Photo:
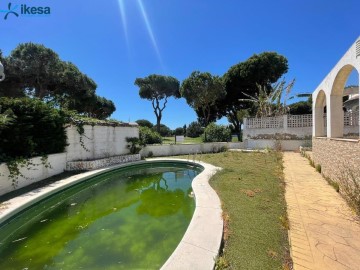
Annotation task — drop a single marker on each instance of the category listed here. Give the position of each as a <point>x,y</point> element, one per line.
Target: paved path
<point>324,232</point>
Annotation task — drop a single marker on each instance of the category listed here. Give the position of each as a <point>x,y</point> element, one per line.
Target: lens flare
<point>123,19</point>
<point>148,26</point>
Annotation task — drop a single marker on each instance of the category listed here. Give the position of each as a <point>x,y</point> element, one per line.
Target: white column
<point>335,117</point>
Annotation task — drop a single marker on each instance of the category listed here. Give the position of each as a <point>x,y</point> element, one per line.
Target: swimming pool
<point>132,217</point>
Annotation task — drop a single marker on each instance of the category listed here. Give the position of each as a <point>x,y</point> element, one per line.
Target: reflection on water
<point>128,219</point>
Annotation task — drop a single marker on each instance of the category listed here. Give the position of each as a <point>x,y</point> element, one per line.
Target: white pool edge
<point>200,244</point>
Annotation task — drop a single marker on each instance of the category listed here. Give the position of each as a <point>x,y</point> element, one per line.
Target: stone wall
<point>336,156</point>
<point>101,163</point>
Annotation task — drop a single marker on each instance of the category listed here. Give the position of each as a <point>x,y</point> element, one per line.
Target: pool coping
<point>201,242</point>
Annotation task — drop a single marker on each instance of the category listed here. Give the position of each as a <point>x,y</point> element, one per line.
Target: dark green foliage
<point>134,144</point>
<point>156,88</point>
<point>148,136</point>
<point>35,129</point>
<point>301,107</point>
<point>36,71</point>
<point>165,131</point>
<point>201,91</point>
<point>144,123</point>
<point>179,131</point>
<point>217,133</point>
<point>194,130</point>
<point>31,68</point>
<point>262,69</point>
<point>100,108</point>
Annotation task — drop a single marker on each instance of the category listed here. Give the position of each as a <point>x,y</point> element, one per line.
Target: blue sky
<point>176,37</point>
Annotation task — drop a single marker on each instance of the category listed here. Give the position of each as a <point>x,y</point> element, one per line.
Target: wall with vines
<point>95,142</point>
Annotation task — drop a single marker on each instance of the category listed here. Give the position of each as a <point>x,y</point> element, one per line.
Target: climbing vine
<point>80,129</point>
<point>15,165</point>
<point>80,121</point>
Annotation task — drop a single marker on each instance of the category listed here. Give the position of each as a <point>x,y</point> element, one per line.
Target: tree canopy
<point>144,123</point>
<point>33,128</point>
<point>202,91</point>
<point>243,79</point>
<point>156,88</point>
<point>37,71</point>
<point>301,107</point>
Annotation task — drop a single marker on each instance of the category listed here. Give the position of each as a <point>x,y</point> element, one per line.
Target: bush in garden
<point>194,130</point>
<point>216,133</point>
<point>179,131</point>
<point>148,136</point>
<point>33,128</point>
<point>165,131</point>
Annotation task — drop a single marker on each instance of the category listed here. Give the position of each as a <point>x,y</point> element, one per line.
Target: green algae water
<point>131,218</point>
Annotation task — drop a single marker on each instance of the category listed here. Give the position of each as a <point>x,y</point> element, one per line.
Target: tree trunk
<point>236,123</point>
<point>158,119</point>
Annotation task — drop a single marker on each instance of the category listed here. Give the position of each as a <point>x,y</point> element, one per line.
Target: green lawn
<point>251,189</point>
<point>188,140</point>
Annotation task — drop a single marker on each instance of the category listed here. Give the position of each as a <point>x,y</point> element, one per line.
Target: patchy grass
<point>188,140</point>
<point>251,189</point>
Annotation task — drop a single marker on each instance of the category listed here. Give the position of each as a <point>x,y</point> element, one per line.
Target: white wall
<point>33,173</point>
<point>286,145</point>
<point>98,142</point>
<point>269,133</point>
<point>185,149</point>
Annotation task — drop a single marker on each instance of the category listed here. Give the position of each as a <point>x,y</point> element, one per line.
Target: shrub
<point>34,129</point>
<point>332,183</point>
<point>134,144</point>
<point>194,130</point>
<point>165,131</point>
<point>150,154</point>
<point>350,186</point>
<point>217,133</point>
<point>179,131</point>
<point>148,136</point>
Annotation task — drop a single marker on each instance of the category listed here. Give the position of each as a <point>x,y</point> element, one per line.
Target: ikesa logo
<point>25,10</point>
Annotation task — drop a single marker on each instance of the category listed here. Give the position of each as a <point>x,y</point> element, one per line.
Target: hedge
<point>30,128</point>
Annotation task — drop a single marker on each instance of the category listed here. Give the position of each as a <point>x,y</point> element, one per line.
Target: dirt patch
<point>250,193</point>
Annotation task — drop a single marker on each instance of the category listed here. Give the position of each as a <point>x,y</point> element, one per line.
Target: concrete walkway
<point>324,232</point>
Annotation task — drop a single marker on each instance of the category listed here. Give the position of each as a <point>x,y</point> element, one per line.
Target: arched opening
<point>343,112</point>
<point>351,106</point>
<point>319,116</point>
